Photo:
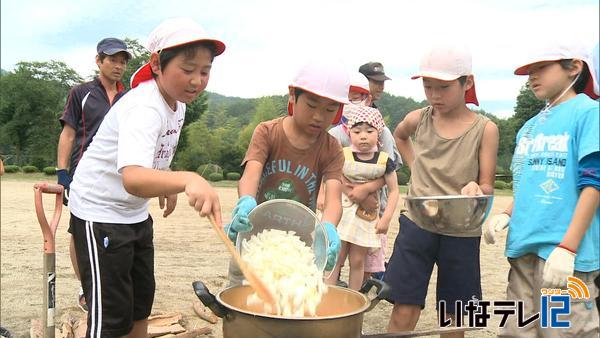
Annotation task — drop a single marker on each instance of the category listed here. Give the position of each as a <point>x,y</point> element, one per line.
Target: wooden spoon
<point>255,283</point>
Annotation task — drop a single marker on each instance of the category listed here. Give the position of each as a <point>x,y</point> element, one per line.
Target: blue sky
<point>268,40</point>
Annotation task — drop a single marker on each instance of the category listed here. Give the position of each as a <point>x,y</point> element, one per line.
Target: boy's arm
<point>391,181</point>
<point>146,183</point>
<point>404,130</point>
<point>488,151</point>
<point>321,197</point>
<point>359,192</point>
<point>249,181</point>
<point>561,261</point>
<point>587,204</point>
<point>332,211</point>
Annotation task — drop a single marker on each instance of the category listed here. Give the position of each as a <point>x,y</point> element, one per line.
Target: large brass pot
<point>340,313</point>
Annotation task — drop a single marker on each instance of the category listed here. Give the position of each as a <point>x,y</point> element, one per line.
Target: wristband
<point>568,249</point>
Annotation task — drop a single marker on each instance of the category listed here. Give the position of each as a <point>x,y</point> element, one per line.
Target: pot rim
<point>360,310</point>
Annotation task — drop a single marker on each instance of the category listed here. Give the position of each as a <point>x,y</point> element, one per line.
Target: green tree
<point>266,109</point>
<point>55,71</point>
<point>527,106</point>
<point>394,108</point>
<point>31,100</point>
<point>139,56</point>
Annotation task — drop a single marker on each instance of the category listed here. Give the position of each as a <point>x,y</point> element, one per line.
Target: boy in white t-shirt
<point>126,164</point>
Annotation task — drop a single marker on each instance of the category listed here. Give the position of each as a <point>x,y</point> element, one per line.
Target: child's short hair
<point>173,34</point>
<point>324,78</point>
<point>584,77</point>
<point>189,51</point>
<point>564,52</point>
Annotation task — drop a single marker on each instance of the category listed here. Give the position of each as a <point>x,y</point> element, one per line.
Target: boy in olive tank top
<point>454,152</point>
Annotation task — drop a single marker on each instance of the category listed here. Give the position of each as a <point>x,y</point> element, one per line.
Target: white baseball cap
<point>359,83</point>
<point>325,78</point>
<point>563,50</point>
<point>173,33</point>
<point>448,63</point>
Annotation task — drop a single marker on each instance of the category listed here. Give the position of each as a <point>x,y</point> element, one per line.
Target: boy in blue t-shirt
<point>554,219</point>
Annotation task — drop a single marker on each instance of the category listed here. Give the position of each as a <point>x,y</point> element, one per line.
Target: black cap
<point>112,46</point>
<point>373,71</point>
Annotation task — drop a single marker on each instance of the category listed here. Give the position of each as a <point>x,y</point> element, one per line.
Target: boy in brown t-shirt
<point>288,157</point>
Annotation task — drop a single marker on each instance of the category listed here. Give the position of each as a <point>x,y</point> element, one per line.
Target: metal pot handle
<point>383,291</point>
<point>209,300</point>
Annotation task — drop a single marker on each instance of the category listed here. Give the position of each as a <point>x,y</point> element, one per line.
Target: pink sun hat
<point>324,78</point>
<point>173,33</point>
<point>448,63</point>
<point>563,50</point>
<point>359,83</point>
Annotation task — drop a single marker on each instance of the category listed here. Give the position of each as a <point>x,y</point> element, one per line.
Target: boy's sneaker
<point>81,302</point>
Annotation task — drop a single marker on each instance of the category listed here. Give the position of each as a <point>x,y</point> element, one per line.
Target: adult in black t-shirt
<point>85,109</point>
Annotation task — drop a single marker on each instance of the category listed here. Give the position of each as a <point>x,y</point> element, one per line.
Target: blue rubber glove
<point>240,222</point>
<point>334,245</point>
<point>65,180</point>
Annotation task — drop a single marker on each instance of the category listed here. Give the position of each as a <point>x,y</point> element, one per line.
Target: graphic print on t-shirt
<point>547,155</point>
<point>167,144</point>
<point>288,179</point>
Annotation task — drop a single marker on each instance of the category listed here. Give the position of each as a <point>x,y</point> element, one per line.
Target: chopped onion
<point>287,266</point>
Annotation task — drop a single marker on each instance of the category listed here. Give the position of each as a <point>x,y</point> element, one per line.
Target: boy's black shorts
<point>116,265</point>
<point>415,253</point>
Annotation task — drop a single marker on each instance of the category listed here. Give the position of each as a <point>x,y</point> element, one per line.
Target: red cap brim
<point>144,73</point>
<point>471,95</point>
<point>359,89</point>
<point>589,90</point>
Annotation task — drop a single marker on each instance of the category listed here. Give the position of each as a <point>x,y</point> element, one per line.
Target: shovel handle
<point>48,229</point>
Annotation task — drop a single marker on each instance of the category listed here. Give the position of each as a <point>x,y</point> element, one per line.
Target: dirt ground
<point>187,249</point>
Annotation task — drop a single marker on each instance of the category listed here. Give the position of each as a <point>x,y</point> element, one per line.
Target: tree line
<point>217,128</point>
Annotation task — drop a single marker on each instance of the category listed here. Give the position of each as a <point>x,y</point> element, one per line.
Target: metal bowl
<point>288,215</point>
<point>450,214</point>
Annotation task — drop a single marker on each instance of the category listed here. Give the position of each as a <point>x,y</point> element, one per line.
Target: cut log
<point>204,313</point>
<point>157,331</point>
<point>164,319</point>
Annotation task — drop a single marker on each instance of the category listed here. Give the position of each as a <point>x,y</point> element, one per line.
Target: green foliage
<point>394,108</point>
<point>28,169</point>
<point>402,178</point>
<point>192,114</point>
<point>266,109</point>
<point>215,177</point>
<point>32,98</point>
<point>49,170</point>
<point>403,175</point>
<point>206,170</point>
<point>527,106</point>
<point>11,168</point>
<point>139,56</point>
<point>500,185</point>
<point>233,176</point>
